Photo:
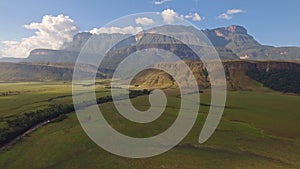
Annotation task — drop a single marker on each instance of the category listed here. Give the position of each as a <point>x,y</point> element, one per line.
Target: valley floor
<point>258,130</point>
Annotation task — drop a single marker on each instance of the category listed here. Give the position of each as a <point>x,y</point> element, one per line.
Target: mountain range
<point>232,42</point>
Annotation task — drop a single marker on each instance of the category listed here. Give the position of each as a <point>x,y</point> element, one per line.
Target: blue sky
<point>275,22</point>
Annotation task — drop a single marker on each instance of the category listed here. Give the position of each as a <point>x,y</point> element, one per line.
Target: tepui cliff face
<point>232,42</point>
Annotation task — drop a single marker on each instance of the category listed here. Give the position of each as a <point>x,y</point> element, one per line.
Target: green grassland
<point>28,96</point>
<point>258,130</point>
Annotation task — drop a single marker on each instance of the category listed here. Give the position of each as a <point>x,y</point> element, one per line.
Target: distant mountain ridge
<point>232,42</point>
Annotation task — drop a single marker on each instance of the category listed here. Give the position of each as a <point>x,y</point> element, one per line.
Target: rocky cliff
<point>240,75</point>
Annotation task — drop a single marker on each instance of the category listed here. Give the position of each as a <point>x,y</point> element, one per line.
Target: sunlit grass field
<point>258,130</point>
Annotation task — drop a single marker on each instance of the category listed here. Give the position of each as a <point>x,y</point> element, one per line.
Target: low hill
<point>13,72</point>
<point>10,59</point>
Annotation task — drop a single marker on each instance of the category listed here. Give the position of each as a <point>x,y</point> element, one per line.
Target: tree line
<point>286,81</point>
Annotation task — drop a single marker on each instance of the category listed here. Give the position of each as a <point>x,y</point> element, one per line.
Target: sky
<point>30,24</point>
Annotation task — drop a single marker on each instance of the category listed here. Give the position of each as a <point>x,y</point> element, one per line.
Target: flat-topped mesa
<point>233,29</point>
<point>236,29</point>
<point>225,31</point>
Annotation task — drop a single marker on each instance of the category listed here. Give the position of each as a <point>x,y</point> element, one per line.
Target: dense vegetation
<point>17,126</point>
<point>26,121</point>
<point>280,80</point>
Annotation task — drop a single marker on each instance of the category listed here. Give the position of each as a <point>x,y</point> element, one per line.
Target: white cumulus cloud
<point>110,30</point>
<point>229,13</point>
<point>195,17</point>
<point>168,15</point>
<point>51,33</point>
<point>144,21</point>
<point>159,2</point>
